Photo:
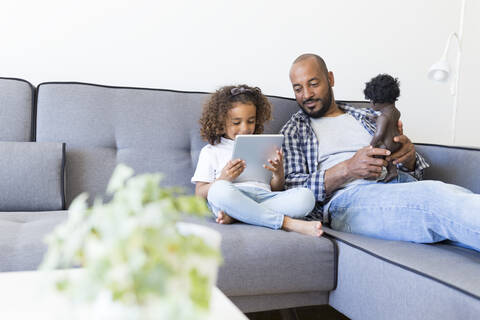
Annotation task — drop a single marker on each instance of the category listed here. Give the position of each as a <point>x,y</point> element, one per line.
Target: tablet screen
<point>256,149</point>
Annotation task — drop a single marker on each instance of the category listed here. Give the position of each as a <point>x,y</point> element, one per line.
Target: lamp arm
<point>452,35</point>
<point>439,71</point>
<point>454,88</point>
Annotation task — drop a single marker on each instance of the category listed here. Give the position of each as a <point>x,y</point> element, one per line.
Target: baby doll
<point>383,91</point>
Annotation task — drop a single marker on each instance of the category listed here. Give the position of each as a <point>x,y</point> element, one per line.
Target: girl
<point>233,110</point>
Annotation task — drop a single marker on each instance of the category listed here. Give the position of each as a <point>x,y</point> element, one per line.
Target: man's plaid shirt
<point>300,150</point>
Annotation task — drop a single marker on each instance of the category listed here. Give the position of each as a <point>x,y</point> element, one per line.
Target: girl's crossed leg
<point>275,210</point>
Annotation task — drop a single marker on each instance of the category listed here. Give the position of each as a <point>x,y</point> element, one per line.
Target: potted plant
<point>137,259</point>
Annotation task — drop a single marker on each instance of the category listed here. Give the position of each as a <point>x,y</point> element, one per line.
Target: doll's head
<point>234,110</point>
<point>382,89</point>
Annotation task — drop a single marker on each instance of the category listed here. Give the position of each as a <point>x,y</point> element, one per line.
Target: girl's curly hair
<point>215,110</point>
<point>382,89</point>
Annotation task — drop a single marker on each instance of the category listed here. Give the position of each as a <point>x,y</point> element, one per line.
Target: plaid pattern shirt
<point>300,150</point>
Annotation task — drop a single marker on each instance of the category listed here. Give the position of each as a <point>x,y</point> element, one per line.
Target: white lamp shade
<point>440,70</point>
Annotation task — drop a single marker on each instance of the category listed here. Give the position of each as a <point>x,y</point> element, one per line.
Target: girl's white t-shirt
<point>213,159</point>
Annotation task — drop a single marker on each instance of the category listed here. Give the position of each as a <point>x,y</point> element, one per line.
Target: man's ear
<point>331,78</point>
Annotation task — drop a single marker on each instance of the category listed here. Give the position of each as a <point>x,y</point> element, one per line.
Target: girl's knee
<point>219,190</point>
<point>305,201</point>
<point>307,197</point>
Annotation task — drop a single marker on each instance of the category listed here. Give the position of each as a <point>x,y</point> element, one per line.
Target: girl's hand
<point>232,170</point>
<point>276,166</point>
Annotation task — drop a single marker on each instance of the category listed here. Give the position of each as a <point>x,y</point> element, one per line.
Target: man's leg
<point>424,211</point>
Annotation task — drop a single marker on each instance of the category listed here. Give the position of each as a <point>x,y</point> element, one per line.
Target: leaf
<point>193,205</point>
<point>199,291</point>
<point>131,247</point>
<point>119,176</point>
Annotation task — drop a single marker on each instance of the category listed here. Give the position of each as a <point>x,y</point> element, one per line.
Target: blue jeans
<point>409,210</point>
<point>258,206</point>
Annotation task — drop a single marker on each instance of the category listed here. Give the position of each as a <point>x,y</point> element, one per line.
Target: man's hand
<point>406,154</point>
<point>363,164</point>
<point>232,170</point>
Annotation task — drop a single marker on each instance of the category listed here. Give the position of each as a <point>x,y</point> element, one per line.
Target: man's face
<point>312,87</point>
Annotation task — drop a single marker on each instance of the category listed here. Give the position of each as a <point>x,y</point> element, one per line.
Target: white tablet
<point>256,149</point>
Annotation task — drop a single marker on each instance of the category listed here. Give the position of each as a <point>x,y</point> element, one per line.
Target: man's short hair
<point>320,61</point>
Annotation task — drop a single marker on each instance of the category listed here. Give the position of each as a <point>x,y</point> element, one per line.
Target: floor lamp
<point>440,70</point>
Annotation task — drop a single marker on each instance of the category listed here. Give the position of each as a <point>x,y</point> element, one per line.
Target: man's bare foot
<point>309,228</point>
<point>224,218</point>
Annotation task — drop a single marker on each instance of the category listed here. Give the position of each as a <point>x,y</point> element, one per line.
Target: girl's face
<point>240,120</point>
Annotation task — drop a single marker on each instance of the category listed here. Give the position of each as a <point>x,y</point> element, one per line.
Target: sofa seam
<point>33,105</point>
<point>166,90</point>
<point>16,79</point>
<point>447,146</point>
<point>117,87</point>
<point>335,260</point>
<point>279,293</point>
<point>34,114</point>
<point>62,179</point>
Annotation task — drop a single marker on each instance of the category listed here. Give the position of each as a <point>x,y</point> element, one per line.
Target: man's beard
<point>326,102</point>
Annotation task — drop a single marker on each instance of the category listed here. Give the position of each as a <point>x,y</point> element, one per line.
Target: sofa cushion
<point>21,238</point>
<point>261,261</point>
<point>32,176</point>
<point>452,266</point>
<point>371,287</point>
<point>16,110</point>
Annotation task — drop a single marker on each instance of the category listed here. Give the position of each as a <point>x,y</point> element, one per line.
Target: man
<point>327,149</point>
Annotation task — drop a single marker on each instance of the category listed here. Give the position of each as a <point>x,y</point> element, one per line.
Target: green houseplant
<point>136,255</point>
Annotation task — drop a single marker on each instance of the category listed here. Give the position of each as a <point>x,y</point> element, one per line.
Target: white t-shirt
<point>339,138</point>
<point>213,159</point>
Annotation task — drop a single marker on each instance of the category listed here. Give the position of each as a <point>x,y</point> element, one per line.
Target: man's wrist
<point>336,176</point>
<point>411,165</point>
<point>406,168</point>
<point>344,171</point>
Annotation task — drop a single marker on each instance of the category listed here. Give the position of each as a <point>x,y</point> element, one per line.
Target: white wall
<point>468,115</point>
<point>201,45</point>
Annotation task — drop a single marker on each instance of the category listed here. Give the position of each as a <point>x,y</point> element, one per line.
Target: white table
<point>25,295</point>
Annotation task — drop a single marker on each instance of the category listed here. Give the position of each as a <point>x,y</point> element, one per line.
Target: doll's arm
<point>381,130</point>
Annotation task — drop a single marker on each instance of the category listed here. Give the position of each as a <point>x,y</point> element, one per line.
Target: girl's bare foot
<point>309,228</point>
<point>224,218</point>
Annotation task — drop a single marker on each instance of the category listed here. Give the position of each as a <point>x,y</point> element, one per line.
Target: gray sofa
<point>81,131</point>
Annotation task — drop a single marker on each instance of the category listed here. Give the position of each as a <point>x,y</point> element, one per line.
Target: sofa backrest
<point>456,165</point>
<point>150,130</point>
<point>16,110</point>
<point>154,130</point>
